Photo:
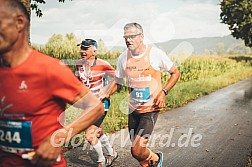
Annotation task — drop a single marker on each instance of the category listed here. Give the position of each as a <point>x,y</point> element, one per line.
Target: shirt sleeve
<point>109,69</point>
<point>121,65</point>
<point>62,82</point>
<point>160,61</point>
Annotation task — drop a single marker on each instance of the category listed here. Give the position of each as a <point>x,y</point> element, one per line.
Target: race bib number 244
<point>15,135</point>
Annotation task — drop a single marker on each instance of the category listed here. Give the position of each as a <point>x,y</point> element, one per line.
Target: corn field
<point>192,68</point>
<point>200,75</point>
<point>200,67</point>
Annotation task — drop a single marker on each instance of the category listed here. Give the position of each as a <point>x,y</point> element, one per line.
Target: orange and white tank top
<point>95,76</point>
<point>144,82</point>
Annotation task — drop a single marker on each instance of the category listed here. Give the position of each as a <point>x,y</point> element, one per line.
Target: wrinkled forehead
<point>2,3</point>
<point>6,10</point>
<point>84,49</point>
<point>4,14</point>
<point>6,5</point>
<point>131,30</point>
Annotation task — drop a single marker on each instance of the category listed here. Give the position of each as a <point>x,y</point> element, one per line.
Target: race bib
<point>140,94</point>
<point>15,136</point>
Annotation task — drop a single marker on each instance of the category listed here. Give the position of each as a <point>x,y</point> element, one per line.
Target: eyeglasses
<point>131,36</point>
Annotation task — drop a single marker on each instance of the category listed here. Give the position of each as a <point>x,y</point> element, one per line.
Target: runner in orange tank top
<point>141,65</point>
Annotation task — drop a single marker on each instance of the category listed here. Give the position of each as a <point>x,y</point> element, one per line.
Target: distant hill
<point>207,45</point>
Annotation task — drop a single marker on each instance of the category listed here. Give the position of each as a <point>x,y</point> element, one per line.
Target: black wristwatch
<point>165,91</point>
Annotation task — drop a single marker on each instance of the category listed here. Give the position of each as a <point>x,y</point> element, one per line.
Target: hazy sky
<point>162,20</point>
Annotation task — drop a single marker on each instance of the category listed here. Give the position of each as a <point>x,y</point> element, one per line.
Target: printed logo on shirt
<point>4,107</point>
<point>131,68</point>
<point>23,85</point>
<point>143,69</point>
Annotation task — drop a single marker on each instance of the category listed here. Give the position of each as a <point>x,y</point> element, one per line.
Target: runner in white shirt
<point>141,65</point>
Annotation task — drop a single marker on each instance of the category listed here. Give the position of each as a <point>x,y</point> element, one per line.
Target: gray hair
<point>134,25</point>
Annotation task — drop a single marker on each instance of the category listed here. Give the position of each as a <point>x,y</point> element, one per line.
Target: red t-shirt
<point>36,91</point>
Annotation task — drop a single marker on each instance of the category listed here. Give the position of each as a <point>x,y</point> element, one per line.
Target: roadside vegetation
<point>249,161</point>
<point>200,75</point>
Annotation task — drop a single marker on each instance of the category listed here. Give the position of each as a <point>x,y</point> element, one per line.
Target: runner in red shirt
<point>34,90</point>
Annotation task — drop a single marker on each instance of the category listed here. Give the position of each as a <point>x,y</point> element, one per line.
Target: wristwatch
<point>165,91</point>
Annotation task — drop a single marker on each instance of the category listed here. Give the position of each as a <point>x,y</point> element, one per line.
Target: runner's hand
<point>102,94</point>
<point>160,100</point>
<point>46,154</point>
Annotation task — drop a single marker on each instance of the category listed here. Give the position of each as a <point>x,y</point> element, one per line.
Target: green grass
<point>200,75</point>
<point>185,91</point>
<point>249,161</point>
<point>182,93</point>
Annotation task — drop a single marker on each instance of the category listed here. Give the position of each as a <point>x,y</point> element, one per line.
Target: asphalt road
<point>212,131</point>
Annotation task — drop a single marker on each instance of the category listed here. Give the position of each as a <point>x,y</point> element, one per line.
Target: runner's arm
<point>108,90</point>
<point>160,99</point>
<point>50,148</point>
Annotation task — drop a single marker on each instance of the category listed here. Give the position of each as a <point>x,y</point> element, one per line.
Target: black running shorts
<point>142,124</point>
<point>106,103</point>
